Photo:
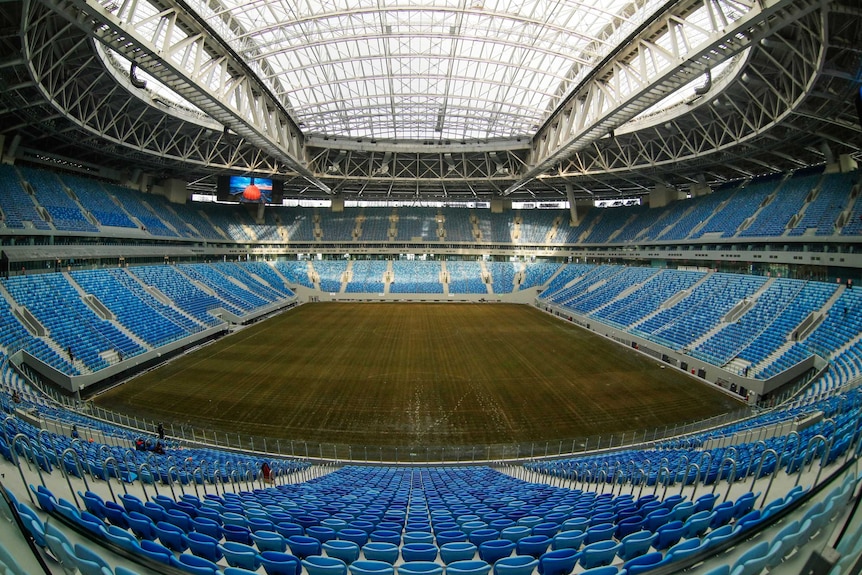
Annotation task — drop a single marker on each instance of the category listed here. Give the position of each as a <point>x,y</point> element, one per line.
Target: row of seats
<point>740,215</point>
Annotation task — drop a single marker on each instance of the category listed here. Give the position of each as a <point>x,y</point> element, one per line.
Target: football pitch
<point>416,375</point>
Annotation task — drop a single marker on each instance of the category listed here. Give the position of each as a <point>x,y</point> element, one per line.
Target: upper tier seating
<point>700,210</point>
<point>192,217</point>
<point>741,206</point>
<point>772,220</point>
<point>416,277</point>
<point>97,201</point>
<point>340,227</point>
<point>536,224</point>
<point>375,228</point>
<point>64,211</point>
<point>494,228</point>
<point>16,203</point>
<point>457,225</point>
<point>822,213</point>
<point>416,223</point>
<point>133,203</point>
<point>768,207</point>
<point>233,221</point>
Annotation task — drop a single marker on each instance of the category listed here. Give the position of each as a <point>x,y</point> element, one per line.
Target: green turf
<point>416,375</point>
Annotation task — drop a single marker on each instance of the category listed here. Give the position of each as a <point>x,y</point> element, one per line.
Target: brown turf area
<point>414,375</point>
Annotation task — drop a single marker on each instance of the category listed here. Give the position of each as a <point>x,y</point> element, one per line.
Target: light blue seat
<point>452,536</point>
<point>239,555</point>
<point>669,534</point>
<point>697,524</point>
<point>600,532</point>
<point>683,510</point>
<point>636,544</point>
<point>268,541</point>
<point>171,536</point>
<point>752,561</point>
<point>534,545</point>
<point>479,536</point>
<point>599,553</point>
<point>571,539</point>
<point>783,543</point>
<point>347,551</point>
<point>684,549</point>
<point>722,514</point>
<point>321,532</point>
<point>156,551</point>
<point>516,565</point>
<point>657,518</point>
<point>386,536</point>
<point>122,538</point>
<point>277,563</point>
<point>470,567</point>
<point>496,549</point>
<point>744,504</point>
<point>419,568</point>
<point>358,536</point>
<point>627,526</point>
<point>60,547</point>
<point>302,546</point>
<point>643,563</point>
<point>381,551</point>
<point>319,565</point>
<point>418,537</point>
<point>575,523</point>
<point>236,533</point>
<point>558,562</point>
<point>418,552</point>
<point>605,570</point>
<point>367,567</point>
<point>202,545</point>
<point>457,551</point>
<point>89,562</point>
<point>515,533</point>
<point>194,564</point>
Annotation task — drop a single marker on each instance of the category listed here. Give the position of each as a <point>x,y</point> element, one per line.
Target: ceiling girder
<point>182,52</point>
<point>665,55</point>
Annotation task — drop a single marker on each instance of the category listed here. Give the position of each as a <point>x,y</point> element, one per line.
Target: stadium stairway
<point>489,286</point>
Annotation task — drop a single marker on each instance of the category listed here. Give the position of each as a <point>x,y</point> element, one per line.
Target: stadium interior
<point>678,179</point>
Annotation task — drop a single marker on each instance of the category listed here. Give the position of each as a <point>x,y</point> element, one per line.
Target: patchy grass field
<point>415,375</point>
